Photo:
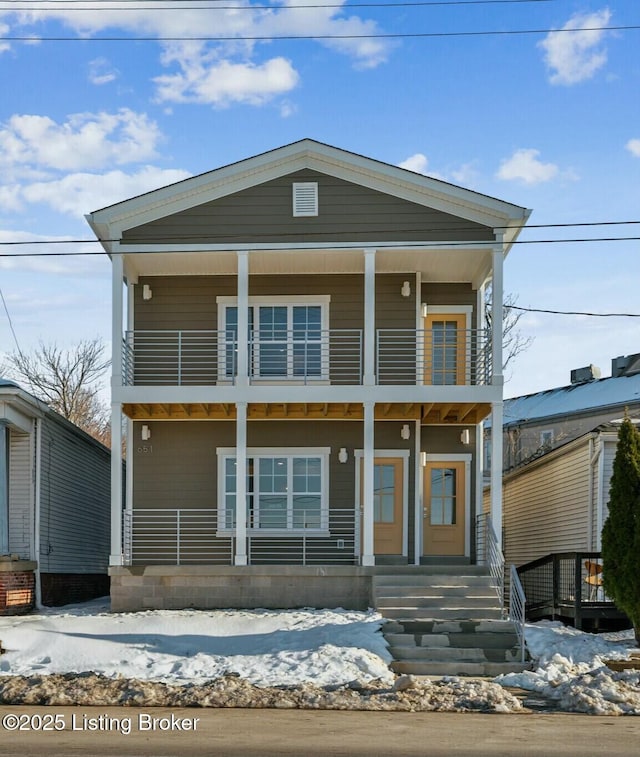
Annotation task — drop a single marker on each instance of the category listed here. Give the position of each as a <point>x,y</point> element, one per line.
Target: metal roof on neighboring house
<point>574,398</point>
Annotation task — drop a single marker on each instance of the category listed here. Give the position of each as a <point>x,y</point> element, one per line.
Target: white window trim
<point>399,453</point>
<point>324,453</point>
<point>321,300</point>
<point>457,457</point>
<point>467,311</point>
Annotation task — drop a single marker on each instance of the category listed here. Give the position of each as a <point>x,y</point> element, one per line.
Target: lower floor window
<point>284,491</point>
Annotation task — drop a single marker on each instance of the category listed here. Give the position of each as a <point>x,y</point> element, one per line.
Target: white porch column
<point>241,483</point>
<point>4,489</point>
<point>369,378</point>
<point>496,468</point>
<point>242,372</point>
<point>497,294</point>
<point>116,557</point>
<point>368,557</point>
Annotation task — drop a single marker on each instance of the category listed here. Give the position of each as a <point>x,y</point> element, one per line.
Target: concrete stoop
<point>446,624</point>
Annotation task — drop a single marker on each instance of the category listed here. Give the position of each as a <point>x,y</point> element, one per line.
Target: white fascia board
<point>472,246</point>
<point>367,172</point>
<point>288,393</point>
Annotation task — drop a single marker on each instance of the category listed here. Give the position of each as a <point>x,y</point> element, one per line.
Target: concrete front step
<point>442,602</point>
<point>422,590</point>
<point>441,626</point>
<point>439,668</point>
<point>455,640</point>
<point>440,654</point>
<point>438,579</point>
<point>430,614</point>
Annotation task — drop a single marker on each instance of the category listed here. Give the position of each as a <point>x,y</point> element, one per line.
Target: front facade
<point>54,506</point>
<point>301,358</point>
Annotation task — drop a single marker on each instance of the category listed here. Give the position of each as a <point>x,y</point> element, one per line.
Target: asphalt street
<point>123,731</point>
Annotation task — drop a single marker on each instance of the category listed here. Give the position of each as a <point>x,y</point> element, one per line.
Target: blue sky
<point>548,121</point>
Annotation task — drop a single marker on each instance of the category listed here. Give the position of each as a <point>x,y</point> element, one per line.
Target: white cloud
<point>223,82</point>
<point>45,262</point>
<point>525,166</point>
<point>4,31</point>
<point>633,145</point>
<point>417,163</point>
<point>575,56</point>
<point>85,140</point>
<point>102,72</point>
<point>80,193</point>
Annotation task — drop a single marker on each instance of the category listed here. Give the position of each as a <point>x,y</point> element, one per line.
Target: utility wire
<point>573,312</point>
<point>295,37</point>
<point>116,5</point>
<point>440,229</point>
<point>6,310</point>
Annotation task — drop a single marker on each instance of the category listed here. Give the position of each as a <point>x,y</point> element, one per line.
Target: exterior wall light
<point>146,292</point>
<point>145,433</point>
<point>465,437</point>
<point>343,456</point>
<point>405,431</point>
<point>406,289</point>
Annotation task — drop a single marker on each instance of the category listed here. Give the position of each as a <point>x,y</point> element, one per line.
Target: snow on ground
<point>569,667</point>
<point>265,647</point>
<point>308,648</point>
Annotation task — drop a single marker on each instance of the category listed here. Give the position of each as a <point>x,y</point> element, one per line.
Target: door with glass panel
<point>387,505</point>
<point>445,349</point>
<point>444,509</point>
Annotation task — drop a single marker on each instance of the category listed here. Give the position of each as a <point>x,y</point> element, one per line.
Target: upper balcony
<point>440,356</point>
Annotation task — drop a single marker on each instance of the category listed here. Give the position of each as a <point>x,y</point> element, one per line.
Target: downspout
<point>36,510</point>
<point>593,503</point>
<point>4,488</point>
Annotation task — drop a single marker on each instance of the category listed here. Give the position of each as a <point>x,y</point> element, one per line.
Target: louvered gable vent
<point>305,198</point>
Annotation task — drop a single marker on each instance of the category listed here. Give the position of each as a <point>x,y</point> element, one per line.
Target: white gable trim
<point>112,221</point>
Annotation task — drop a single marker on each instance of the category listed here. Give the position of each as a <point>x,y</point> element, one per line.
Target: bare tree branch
<point>68,380</point>
<point>514,342</point>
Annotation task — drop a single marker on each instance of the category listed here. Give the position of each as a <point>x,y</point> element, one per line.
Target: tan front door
<point>445,349</point>
<point>444,509</point>
<point>387,504</point>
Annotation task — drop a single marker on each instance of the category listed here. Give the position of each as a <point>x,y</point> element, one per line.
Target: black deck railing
<point>567,585</point>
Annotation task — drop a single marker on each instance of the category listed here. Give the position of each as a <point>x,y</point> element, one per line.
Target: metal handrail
<point>517,608</point>
<point>427,356</point>
<point>490,553</point>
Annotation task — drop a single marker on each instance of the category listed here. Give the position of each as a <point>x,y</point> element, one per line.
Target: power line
<point>440,229</point>
<point>137,5</point>
<point>573,312</point>
<point>296,37</point>
<point>6,310</point>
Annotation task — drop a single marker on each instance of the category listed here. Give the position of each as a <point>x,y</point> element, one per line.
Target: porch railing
<point>156,536</point>
<point>333,356</point>
<point>415,356</point>
<point>567,585</point>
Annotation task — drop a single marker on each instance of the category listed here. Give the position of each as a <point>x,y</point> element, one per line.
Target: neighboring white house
<point>54,503</point>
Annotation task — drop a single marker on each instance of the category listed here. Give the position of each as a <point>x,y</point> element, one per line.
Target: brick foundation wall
<point>68,588</point>
<point>207,587</point>
<point>17,592</point>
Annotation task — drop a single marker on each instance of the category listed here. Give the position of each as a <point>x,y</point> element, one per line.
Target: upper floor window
<point>287,339</point>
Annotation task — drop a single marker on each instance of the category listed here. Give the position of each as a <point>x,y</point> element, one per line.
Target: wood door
<point>388,482</point>
<point>443,518</point>
<point>445,349</point>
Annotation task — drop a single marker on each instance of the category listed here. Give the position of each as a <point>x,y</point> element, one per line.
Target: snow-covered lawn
<point>268,648</point>
<point>321,648</point>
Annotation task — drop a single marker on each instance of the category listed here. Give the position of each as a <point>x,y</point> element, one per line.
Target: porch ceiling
<point>438,265</point>
<point>430,414</point>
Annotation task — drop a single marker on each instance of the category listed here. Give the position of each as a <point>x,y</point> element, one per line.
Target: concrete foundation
<point>215,587</point>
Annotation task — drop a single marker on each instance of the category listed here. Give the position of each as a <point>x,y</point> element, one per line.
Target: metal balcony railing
<point>333,356</point>
<point>433,357</point>
<point>158,536</point>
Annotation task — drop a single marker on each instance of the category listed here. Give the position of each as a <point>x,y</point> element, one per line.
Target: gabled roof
<point>575,398</point>
<point>109,223</point>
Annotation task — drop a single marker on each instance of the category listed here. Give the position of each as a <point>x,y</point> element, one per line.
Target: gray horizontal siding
<point>74,502</point>
<point>20,494</point>
<point>347,211</point>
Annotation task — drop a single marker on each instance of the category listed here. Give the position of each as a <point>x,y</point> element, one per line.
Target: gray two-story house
<point>301,357</point>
